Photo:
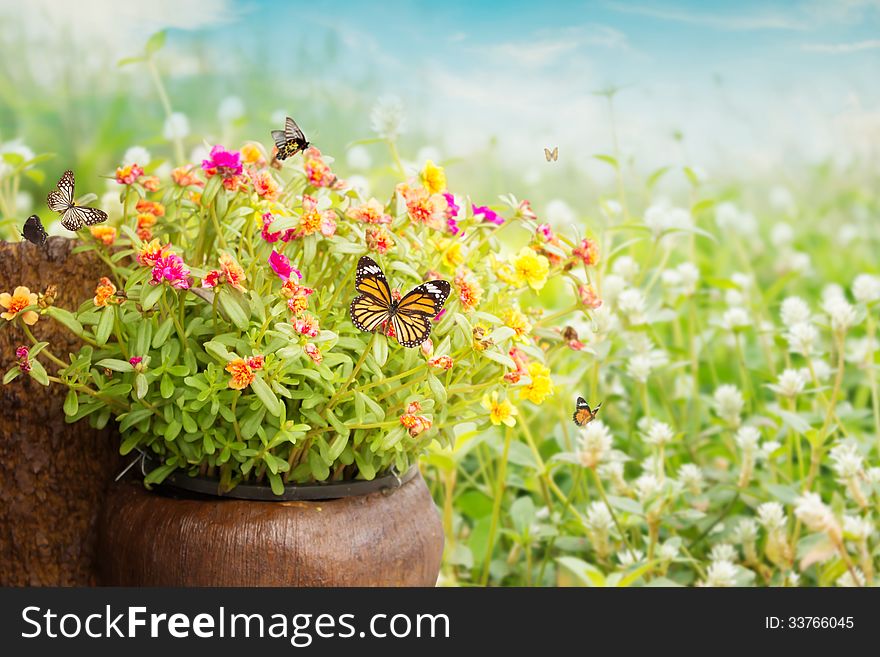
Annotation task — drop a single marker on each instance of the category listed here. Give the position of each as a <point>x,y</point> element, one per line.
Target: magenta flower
<point>134,361</point>
<point>226,164</point>
<point>280,264</point>
<point>451,208</point>
<point>171,270</point>
<point>452,226</point>
<point>267,221</point>
<point>439,315</point>
<point>23,355</point>
<point>544,232</point>
<point>488,214</point>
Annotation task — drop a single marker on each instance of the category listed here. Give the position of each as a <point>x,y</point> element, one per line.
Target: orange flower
<point>310,222</point>
<point>589,297</point>
<point>104,292</point>
<point>441,362</point>
<point>469,291</point>
<point>104,234</point>
<point>145,223</point>
<point>379,239</point>
<point>424,207</point>
<point>184,177</point>
<point>150,207</point>
<point>317,171</point>
<point>588,251</point>
<point>150,252</point>
<point>14,303</point>
<point>242,375</point>
<point>128,175</point>
<point>230,272</point>
<point>372,212</point>
<point>151,183</point>
<point>251,154</point>
<point>265,185</point>
<point>314,353</point>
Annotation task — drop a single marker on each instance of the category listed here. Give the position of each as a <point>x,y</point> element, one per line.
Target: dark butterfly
<point>582,413</point>
<point>289,141</point>
<point>410,317</point>
<point>34,232</point>
<point>73,216</point>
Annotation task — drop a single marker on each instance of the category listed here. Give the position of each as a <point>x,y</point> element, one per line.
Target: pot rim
<point>385,484</point>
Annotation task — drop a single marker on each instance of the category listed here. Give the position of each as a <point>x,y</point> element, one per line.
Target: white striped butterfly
<point>34,232</point>
<point>583,415</point>
<point>73,216</point>
<point>410,317</point>
<point>551,155</point>
<point>289,141</point>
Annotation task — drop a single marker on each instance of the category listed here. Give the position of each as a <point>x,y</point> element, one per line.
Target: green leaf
<point>607,159</point>
<point>320,471</point>
<point>166,387</point>
<point>144,337</point>
<point>125,61</point>
<point>234,307</point>
<point>115,364</point>
<point>105,325</point>
<point>626,504</point>
<point>71,403</point>
<point>218,350</point>
<point>140,386</point>
<point>11,374</point>
<point>38,373</point>
<point>155,42</point>
<point>158,475</point>
<point>276,483</point>
<point>500,358</point>
<point>438,391</point>
<point>66,318</point>
<point>162,334</point>
<point>150,295</point>
<point>337,446</point>
<point>380,349</point>
<point>134,417</point>
<point>586,573</point>
<point>264,392</point>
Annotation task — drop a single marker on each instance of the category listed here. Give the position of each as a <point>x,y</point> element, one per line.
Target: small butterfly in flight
<point>551,155</point>
<point>73,216</point>
<point>34,232</point>
<point>289,141</point>
<point>410,317</point>
<point>583,415</point>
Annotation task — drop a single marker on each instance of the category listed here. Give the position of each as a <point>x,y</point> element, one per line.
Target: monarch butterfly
<point>289,141</point>
<point>73,216</point>
<point>582,413</point>
<point>410,316</point>
<point>34,232</point>
<point>551,155</point>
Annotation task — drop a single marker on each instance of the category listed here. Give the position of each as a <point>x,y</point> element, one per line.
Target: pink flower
<point>267,221</point>
<point>328,224</point>
<point>441,362</point>
<point>452,226</point>
<point>280,264</point>
<point>589,297</point>
<point>134,361</point>
<point>451,208</point>
<point>317,171</point>
<point>525,211</point>
<point>439,315</point>
<point>427,348</point>
<point>372,212</point>
<point>314,353</point>
<point>128,175</point>
<point>226,164</point>
<point>306,325</point>
<point>171,269</point>
<point>544,233</point>
<point>487,214</point>
<point>256,362</point>
<point>588,251</point>
<point>23,355</point>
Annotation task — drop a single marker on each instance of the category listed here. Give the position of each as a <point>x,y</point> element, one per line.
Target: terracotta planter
<point>53,475</point>
<point>152,538</point>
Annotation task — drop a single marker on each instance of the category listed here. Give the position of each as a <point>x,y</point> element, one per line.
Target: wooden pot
<point>150,538</point>
<point>53,475</point>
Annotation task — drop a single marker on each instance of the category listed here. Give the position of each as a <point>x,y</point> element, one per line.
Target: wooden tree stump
<point>158,539</point>
<point>53,475</point>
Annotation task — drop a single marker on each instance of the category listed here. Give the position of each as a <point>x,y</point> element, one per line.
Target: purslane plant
<point>220,338</point>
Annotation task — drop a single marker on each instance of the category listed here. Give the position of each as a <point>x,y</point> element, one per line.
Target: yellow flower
<point>242,376</point>
<point>14,303</point>
<point>104,234</point>
<point>541,386</point>
<point>250,154</point>
<point>500,412</point>
<point>433,178</point>
<point>514,318</point>
<point>531,268</point>
<point>504,270</point>
<point>452,253</point>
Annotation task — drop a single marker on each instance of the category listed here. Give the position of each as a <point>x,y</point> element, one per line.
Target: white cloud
<point>842,48</point>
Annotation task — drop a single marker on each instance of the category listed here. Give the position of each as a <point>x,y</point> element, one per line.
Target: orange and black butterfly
<point>410,317</point>
<point>583,415</point>
<point>289,141</point>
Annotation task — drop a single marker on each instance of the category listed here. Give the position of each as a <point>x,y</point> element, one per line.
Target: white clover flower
<point>613,472</point>
<point>612,286</point>
<point>720,574</point>
<point>841,312</point>
<point>388,119</point>
<point>790,383</point>
<point>781,235</point>
<point>861,350</point>
<point>860,529</point>
<point>647,485</point>
<point>794,261</point>
<point>24,202</point>
<point>199,153</point>
<point>595,444</point>
<point>794,310</point>
<point>358,158</point>
<point>746,531</point>
<point>847,462</point>
<point>625,267</point>
<point>359,183</point>
<point>671,280</point>
<point>802,338</point>
<point>727,215</point>
<point>743,281</point>
<point>629,557</point>
<point>559,213</point>
<point>847,580</point>
<point>661,217</point>
<point>639,367</point>
<point>659,434</point>
<point>729,403</point>
<point>177,127</point>
<point>817,516</point>
<point>604,321</point>
<point>683,386</point>
<point>846,233</point>
<point>691,477</point>
<point>631,302</point>
<point>598,518</point>
<point>136,155</point>
<point>822,369</point>
<point>832,291</point>
<point>873,475</point>
<point>734,298</point>
<point>781,199</point>
<point>111,204</point>
<point>668,550</point>
<point>230,109</point>
<point>866,288</point>
<point>768,448</point>
<point>747,439</point>
<point>735,319</point>
<point>771,515</point>
<point>792,579</point>
<point>14,147</point>
<point>610,208</point>
<point>690,277</point>
<point>723,552</point>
